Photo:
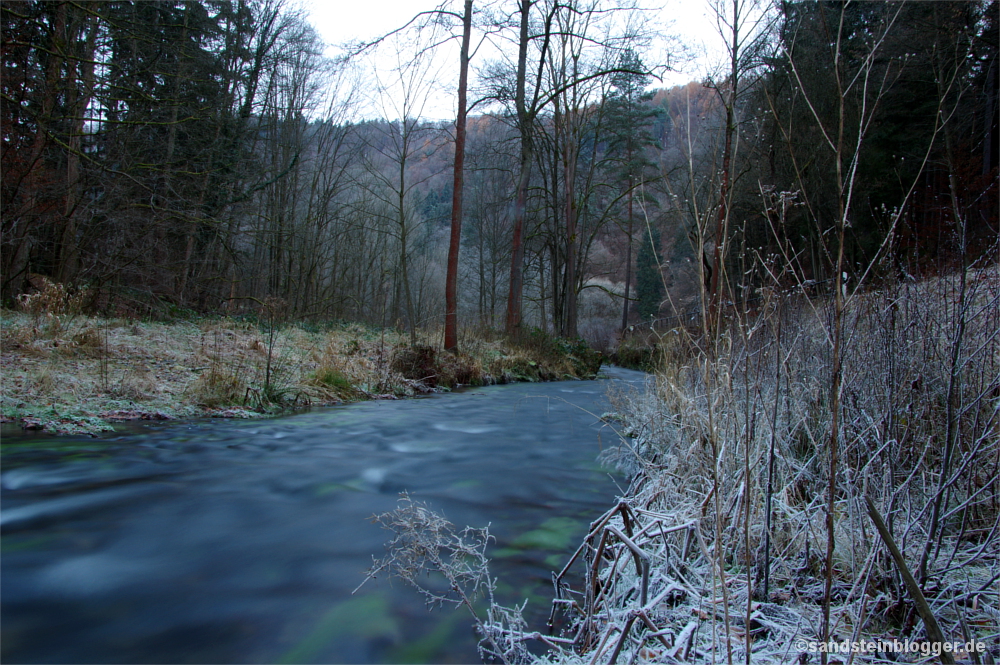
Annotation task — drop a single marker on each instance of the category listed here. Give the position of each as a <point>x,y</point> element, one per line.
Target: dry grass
<point>61,371</point>
<point>729,452</point>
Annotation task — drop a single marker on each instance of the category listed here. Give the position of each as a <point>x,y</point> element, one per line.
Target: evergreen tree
<point>929,60</point>
<point>649,282</point>
<point>628,125</point>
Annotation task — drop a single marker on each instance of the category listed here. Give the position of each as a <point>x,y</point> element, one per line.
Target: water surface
<point>241,542</point>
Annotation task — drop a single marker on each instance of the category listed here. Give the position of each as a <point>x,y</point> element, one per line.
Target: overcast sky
<point>340,21</point>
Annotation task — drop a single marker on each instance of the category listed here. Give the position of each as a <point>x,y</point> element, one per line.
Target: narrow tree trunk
<point>571,278</point>
<point>32,210</point>
<point>403,262</point>
<point>718,256</point>
<point>517,245</point>
<point>78,101</point>
<point>481,249</point>
<point>721,231</point>
<point>516,284</point>
<point>628,260</point>
<point>837,361</point>
<point>451,281</point>
<point>543,322</point>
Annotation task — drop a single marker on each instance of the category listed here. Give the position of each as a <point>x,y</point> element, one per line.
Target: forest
<point>206,157</point>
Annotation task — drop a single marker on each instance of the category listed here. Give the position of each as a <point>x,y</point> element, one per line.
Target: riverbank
<point>76,374</point>
<point>766,462</point>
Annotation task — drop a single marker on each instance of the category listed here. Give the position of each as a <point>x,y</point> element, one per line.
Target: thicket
<point>735,439</point>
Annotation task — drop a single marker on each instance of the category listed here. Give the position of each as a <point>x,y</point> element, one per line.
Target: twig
<point>933,629</point>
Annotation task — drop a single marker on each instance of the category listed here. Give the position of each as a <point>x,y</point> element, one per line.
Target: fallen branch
<point>933,629</point>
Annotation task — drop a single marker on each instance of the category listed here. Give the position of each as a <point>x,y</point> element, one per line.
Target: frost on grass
<point>62,368</point>
<point>730,499</point>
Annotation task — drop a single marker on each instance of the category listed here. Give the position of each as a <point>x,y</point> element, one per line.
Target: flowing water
<point>241,542</point>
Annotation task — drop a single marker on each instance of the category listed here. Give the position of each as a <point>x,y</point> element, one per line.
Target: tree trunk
<point>718,252</point>
<point>78,99</point>
<point>32,209</point>
<point>569,165</point>
<point>628,258</point>
<point>451,281</point>
<point>403,241</point>
<point>523,122</point>
<point>722,227</point>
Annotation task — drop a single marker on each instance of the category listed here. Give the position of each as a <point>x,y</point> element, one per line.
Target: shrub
<point>560,356</point>
<point>51,298</point>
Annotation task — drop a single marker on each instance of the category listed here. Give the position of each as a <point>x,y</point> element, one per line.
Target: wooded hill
<point>176,156</point>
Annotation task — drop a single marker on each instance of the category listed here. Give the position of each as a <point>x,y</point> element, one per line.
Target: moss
<point>333,379</point>
<point>366,617</point>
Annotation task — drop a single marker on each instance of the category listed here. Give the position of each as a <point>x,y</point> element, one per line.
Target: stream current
<point>240,542</point>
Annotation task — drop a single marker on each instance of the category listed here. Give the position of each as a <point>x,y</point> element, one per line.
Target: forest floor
<point>75,374</point>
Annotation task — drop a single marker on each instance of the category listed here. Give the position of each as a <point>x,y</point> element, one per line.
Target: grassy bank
<point>753,467</point>
<point>70,373</point>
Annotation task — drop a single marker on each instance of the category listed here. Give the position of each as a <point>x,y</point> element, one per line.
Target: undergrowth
<point>736,442</point>
<point>68,372</point>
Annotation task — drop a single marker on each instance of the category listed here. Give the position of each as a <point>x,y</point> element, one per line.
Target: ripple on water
<point>465,429</point>
<point>374,476</point>
<point>416,447</point>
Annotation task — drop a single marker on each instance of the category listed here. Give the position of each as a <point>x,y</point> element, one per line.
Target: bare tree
<point>403,94</point>
<point>451,284</point>
<point>745,26</point>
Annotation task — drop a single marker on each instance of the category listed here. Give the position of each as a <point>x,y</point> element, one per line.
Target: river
<point>241,541</point>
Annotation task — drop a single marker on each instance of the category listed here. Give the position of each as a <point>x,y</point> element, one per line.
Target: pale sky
<point>339,21</point>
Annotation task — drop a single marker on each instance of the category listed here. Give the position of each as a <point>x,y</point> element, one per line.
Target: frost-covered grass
<point>729,448</point>
<point>71,373</point>
<point>724,547</point>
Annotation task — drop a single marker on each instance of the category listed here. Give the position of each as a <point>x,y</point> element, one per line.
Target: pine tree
<point>629,120</point>
<point>649,282</point>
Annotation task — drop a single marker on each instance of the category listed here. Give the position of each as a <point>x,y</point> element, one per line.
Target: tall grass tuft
<point>733,437</point>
